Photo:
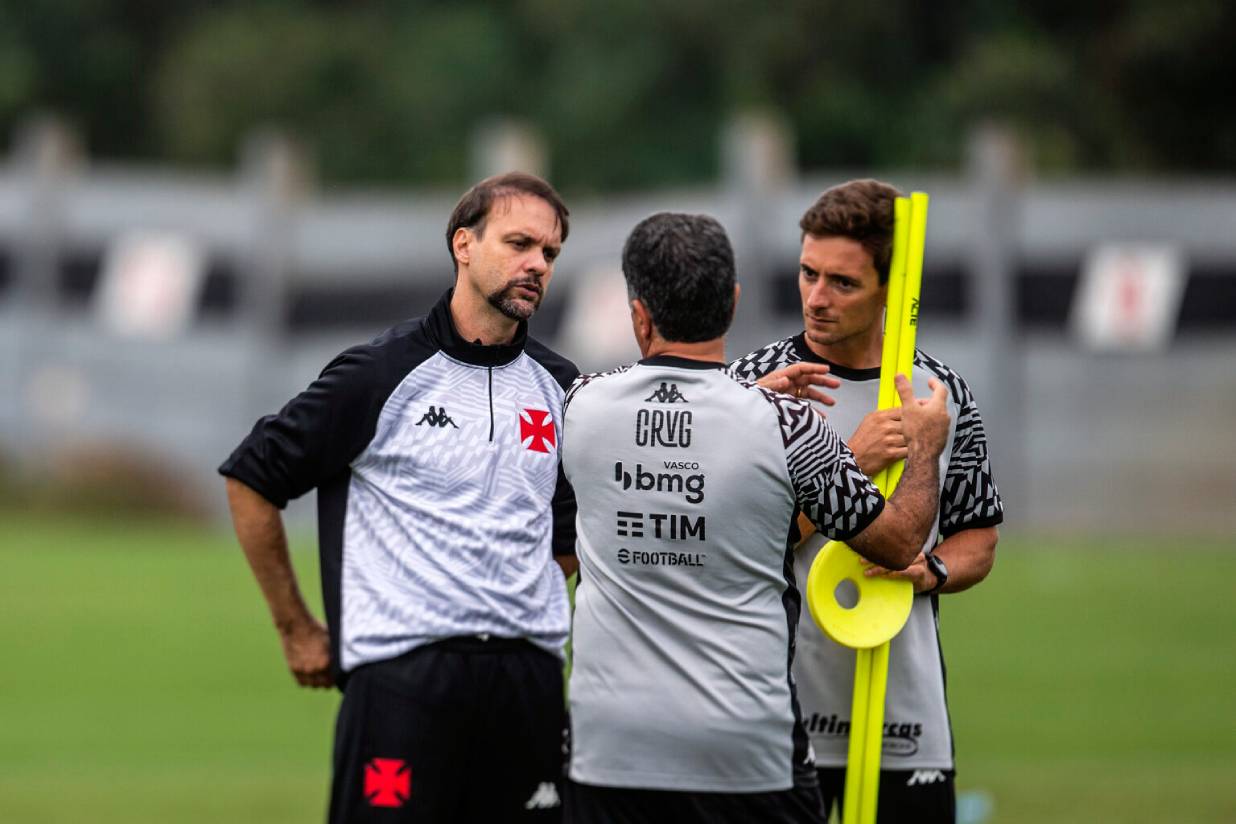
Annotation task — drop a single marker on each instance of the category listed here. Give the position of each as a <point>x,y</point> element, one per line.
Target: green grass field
<point>140,681</point>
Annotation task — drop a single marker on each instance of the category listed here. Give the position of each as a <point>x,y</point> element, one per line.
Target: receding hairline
<point>502,198</point>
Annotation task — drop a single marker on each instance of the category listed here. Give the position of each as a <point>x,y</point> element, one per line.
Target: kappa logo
<point>436,416</point>
<point>545,797</point>
<point>921,777</point>
<point>536,430</point>
<point>666,393</point>
<point>388,782</point>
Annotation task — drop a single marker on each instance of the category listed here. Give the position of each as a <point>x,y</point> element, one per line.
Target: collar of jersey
<point>443,329</point>
<point>681,363</point>
<point>846,373</point>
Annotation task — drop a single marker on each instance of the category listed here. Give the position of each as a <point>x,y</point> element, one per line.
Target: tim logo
<point>665,526</point>
<point>691,487</point>
<point>536,430</point>
<point>388,782</point>
<point>666,395</point>
<point>436,416</point>
<point>662,427</point>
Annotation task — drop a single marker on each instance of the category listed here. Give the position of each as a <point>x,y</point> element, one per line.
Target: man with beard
<point>441,506</point>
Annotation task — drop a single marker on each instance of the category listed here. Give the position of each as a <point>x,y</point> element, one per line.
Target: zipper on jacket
<point>490,370</point>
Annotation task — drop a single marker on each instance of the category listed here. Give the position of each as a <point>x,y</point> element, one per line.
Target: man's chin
<point>514,308</point>
<point>820,336</point>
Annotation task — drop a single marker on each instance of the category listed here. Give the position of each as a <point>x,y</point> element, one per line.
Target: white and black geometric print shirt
<point>688,483</point>
<point>917,732</point>
<point>441,499</point>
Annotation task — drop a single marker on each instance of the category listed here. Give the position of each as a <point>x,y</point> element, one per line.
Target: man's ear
<point>640,316</point>
<point>461,245</point>
<point>737,295</point>
<point>641,323</point>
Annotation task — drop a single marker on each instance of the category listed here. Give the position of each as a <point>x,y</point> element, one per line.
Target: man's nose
<point>536,263</point>
<point>819,297</point>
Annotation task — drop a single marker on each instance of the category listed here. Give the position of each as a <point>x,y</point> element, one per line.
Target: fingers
<point>802,368</point>
<point>913,572</point>
<point>802,381</point>
<point>316,679</point>
<point>775,382</point>
<point>819,396</point>
<point>904,390</point>
<point>824,380</point>
<point>939,394</point>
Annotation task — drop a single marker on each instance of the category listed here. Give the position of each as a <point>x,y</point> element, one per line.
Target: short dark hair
<point>681,267</point>
<point>472,210</point>
<point>861,210</point>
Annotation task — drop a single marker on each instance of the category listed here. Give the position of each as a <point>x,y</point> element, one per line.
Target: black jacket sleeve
<point>564,510</point>
<point>316,435</point>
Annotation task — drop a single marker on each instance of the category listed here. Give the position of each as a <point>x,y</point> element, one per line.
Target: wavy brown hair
<point>861,210</point>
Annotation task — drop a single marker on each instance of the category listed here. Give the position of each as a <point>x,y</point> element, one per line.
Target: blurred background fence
<point>243,285</point>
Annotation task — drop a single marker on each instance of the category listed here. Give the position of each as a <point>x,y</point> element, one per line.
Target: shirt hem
<point>682,783</point>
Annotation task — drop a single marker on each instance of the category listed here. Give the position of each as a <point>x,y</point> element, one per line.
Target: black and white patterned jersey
<point>689,482</point>
<point>917,733</point>
<point>441,499</point>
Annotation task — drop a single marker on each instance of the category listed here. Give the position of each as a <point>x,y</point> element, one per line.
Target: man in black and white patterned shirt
<point>843,276</point>
<point>688,483</point>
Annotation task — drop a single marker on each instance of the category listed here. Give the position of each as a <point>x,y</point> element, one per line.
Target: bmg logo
<point>691,487</point>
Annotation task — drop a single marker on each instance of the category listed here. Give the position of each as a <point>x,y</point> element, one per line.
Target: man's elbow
<point>245,501</point>
<point>904,554</point>
<point>894,552</point>
<point>988,560</point>
<point>908,544</point>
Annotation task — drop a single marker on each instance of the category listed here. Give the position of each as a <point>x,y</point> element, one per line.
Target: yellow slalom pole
<point>869,789</point>
<point>868,780</point>
<point>910,299</point>
<point>857,779</point>
<point>884,603</point>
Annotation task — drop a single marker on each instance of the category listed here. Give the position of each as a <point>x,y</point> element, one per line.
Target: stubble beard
<point>839,335</point>
<point>517,309</point>
<point>826,338</point>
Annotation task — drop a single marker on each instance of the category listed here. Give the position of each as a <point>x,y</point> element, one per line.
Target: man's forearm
<point>969,556</point>
<point>259,528</point>
<point>918,496</point>
<point>898,535</point>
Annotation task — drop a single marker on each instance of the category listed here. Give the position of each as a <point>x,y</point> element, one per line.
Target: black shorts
<point>463,730</point>
<point>588,804</point>
<point>919,796</point>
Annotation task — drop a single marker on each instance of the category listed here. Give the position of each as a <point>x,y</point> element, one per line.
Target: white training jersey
<point>688,483</point>
<point>917,733</point>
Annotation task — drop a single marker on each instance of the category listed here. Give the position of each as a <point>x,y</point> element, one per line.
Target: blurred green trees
<point>628,93</point>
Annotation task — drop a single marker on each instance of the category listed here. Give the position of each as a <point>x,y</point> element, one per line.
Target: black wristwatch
<point>936,565</point>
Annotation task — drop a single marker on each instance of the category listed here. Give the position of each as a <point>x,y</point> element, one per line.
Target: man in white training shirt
<point>689,482</point>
